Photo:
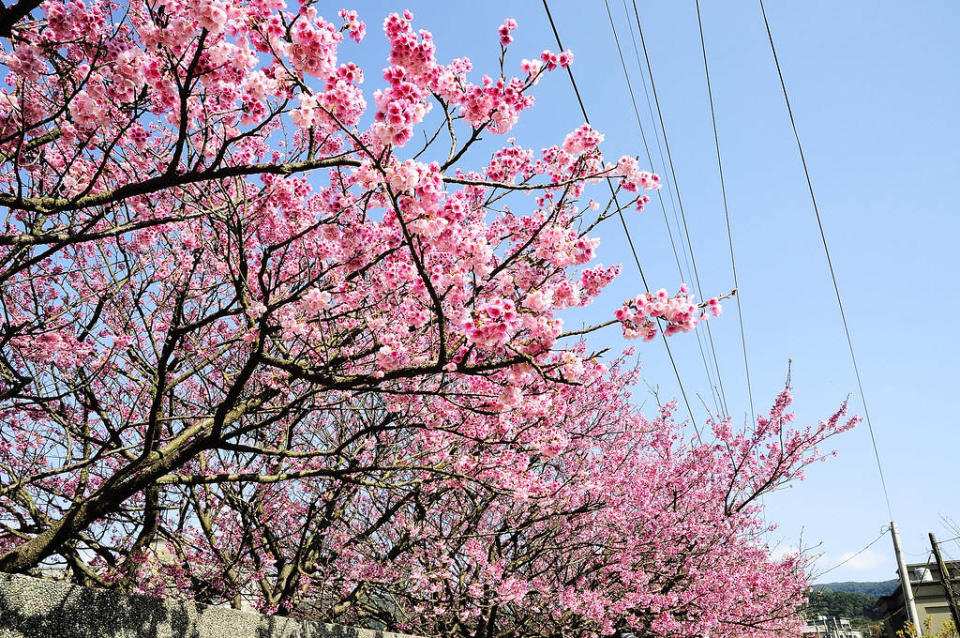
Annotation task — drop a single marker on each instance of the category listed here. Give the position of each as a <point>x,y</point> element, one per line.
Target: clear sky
<point>874,87</point>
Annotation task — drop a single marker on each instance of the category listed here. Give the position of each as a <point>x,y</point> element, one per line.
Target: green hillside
<point>875,589</point>
<point>841,604</point>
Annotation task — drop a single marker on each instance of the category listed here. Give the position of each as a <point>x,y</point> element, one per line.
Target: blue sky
<point>875,90</point>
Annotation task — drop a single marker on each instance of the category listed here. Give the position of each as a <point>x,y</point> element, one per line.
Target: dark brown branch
<point>11,15</point>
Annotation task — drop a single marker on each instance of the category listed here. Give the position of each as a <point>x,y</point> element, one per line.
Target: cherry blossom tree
<point>260,341</point>
<point>572,514</point>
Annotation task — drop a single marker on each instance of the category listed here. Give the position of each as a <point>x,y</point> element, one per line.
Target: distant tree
<point>842,605</point>
<point>876,588</point>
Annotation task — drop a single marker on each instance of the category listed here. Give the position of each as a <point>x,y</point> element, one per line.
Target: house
<point>933,609</point>
<point>824,627</point>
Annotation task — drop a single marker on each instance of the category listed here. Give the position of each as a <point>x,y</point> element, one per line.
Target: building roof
<point>922,575</point>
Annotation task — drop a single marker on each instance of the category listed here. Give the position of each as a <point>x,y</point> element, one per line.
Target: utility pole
<point>908,601</point>
<point>945,580</point>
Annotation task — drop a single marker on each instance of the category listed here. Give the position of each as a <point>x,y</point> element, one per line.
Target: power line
<point>656,137</point>
<point>623,222</point>
<point>883,532</point>
<point>726,214</point>
<point>715,395</point>
<point>643,136</point>
<point>826,250</point>
<point>659,192</point>
<point>673,174</point>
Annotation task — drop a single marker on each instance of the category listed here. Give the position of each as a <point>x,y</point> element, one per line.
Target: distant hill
<point>875,589</point>
<point>841,604</point>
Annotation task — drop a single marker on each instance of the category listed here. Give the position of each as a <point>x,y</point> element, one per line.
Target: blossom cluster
<point>639,316</point>
<point>636,179</point>
<point>399,108</point>
<point>508,25</point>
<point>313,46</point>
<point>583,140</point>
<point>557,60</point>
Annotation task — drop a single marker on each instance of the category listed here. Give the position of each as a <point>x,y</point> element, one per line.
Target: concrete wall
<point>33,608</point>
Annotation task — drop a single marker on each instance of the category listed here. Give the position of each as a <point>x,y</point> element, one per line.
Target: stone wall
<point>33,608</point>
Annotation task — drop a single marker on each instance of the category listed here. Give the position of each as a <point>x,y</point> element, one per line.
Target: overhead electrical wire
<point>726,214</point>
<point>626,231</point>
<point>659,192</point>
<point>883,532</point>
<point>826,250</point>
<point>714,391</point>
<point>656,137</point>
<point>673,174</point>
<point>643,137</point>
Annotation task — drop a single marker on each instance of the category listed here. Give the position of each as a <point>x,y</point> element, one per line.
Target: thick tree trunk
<point>104,501</point>
<point>127,482</point>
